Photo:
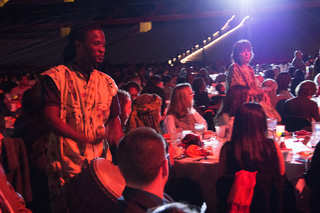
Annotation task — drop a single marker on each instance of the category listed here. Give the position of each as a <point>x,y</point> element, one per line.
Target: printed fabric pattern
<point>85,106</point>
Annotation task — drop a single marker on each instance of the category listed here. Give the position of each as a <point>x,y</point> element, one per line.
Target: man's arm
<point>114,130</point>
<point>63,129</point>
<point>113,125</point>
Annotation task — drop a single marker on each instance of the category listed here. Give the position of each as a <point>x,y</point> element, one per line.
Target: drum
<point>96,189</point>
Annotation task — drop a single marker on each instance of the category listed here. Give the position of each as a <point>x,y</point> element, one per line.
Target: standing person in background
<point>297,61</point>
<point>79,101</point>
<point>240,72</point>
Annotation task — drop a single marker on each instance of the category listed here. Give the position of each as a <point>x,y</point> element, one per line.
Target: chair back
<point>271,194</point>
<point>296,123</point>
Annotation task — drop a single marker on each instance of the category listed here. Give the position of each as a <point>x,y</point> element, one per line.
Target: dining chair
<point>271,194</point>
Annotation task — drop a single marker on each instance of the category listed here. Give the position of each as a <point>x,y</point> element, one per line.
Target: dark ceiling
<point>30,15</point>
<point>30,29</point>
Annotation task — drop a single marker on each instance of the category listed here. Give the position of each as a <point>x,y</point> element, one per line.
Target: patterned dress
<point>238,75</point>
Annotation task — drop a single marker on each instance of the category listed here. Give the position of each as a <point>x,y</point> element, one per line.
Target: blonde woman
<point>181,115</point>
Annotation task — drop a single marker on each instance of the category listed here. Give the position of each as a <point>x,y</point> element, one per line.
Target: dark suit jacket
<point>138,201</point>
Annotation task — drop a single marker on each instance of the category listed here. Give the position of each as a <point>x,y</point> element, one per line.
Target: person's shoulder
<point>101,73</point>
<point>14,89</point>
<point>234,67</point>
<point>55,70</point>
<point>291,100</point>
<point>104,75</point>
<point>168,118</point>
<point>125,206</point>
<point>281,96</point>
<point>228,144</point>
<point>226,147</point>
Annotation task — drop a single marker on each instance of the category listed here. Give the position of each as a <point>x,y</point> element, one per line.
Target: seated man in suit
<point>143,162</point>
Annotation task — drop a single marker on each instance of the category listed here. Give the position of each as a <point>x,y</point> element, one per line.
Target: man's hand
<point>97,140</point>
<point>52,114</point>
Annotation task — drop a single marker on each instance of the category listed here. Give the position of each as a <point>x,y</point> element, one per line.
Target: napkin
<point>190,139</point>
<point>302,132</point>
<point>196,151</point>
<point>241,194</point>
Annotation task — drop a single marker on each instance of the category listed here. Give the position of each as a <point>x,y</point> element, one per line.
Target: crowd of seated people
<point>142,98</point>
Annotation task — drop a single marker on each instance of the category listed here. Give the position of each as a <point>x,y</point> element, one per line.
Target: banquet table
<point>205,171</point>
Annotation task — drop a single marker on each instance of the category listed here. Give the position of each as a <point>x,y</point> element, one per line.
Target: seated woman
<point>201,97</point>
<point>249,148</point>
<point>181,115</point>
<point>155,86</point>
<point>145,112</point>
<point>283,80</point>
<point>236,96</point>
<point>203,73</point>
<point>125,106</point>
<point>255,162</point>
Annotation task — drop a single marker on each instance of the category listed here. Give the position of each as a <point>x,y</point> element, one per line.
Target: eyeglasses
<point>167,153</point>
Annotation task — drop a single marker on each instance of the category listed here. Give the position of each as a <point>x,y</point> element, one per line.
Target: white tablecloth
<point>204,173</point>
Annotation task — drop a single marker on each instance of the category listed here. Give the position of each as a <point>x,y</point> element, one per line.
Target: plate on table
<point>303,156</point>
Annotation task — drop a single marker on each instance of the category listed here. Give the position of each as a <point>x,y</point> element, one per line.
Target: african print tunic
<point>85,106</point>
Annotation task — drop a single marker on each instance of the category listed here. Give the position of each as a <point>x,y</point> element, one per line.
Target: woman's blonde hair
<point>179,101</point>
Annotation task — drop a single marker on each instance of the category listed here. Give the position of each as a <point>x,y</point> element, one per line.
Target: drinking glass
<point>199,129</point>
<point>175,138</point>
<point>280,129</point>
<point>272,124</point>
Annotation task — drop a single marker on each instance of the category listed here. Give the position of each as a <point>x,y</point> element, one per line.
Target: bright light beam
<point>216,40</point>
<point>227,24</point>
